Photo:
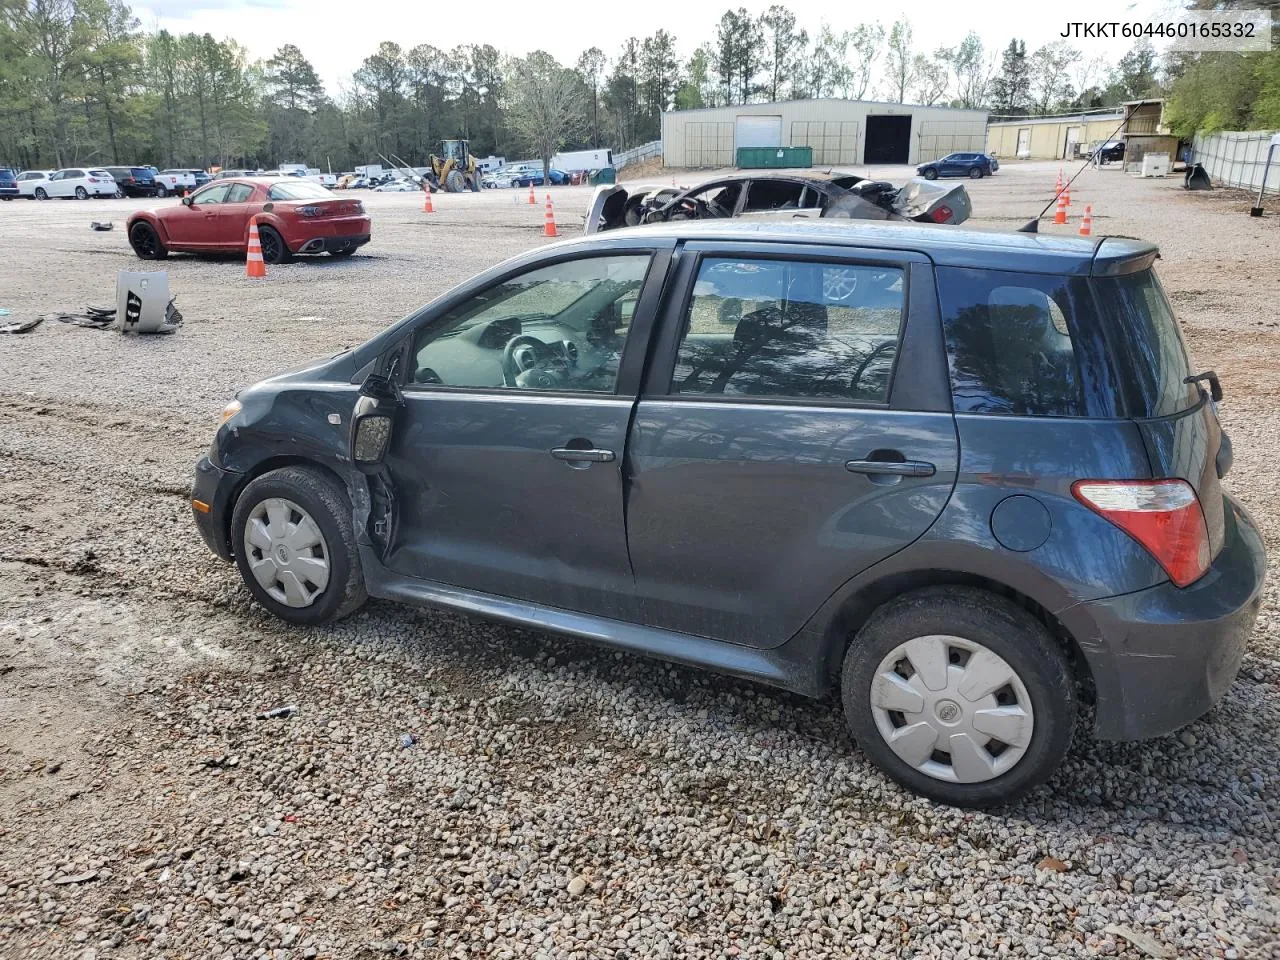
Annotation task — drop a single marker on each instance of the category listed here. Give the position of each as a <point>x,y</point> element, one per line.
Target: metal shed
<point>840,132</point>
<point>1055,137</point>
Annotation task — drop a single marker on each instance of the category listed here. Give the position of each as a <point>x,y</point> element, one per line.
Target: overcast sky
<point>337,34</point>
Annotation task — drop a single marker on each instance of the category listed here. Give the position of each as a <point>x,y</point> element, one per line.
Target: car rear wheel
<point>930,173</point>
<point>959,695</point>
<point>146,242</point>
<point>975,173</point>
<point>41,194</point>
<point>162,191</point>
<point>295,546</point>
<point>82,193</point>
<point>274,249</point>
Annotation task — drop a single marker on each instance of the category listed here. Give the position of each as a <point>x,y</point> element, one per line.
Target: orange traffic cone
<point>1066,196</point>
<point>426,202</point>
<point>253,264</point>
<point>1057,190</point>
<point>1086,225</point>
<point>533,201</point>
<point>549,228</point>
<point>1060,215</point>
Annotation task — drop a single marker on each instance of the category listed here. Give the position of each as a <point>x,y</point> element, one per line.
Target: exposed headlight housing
<point>230,410</point>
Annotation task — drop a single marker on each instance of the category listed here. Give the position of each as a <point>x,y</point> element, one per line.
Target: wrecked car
<point>777,196</point>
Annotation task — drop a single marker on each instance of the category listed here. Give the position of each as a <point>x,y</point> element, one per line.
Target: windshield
<point>1145,339</point>
<point>299,190</point>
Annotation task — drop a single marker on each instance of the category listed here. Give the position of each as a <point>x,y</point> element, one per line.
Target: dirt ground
<point>557,800</point>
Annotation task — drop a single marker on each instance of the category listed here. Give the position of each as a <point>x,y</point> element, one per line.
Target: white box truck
<point>369,170</point>
<point>576,160</point>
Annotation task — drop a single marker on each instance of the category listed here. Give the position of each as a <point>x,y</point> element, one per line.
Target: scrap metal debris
<point>99,225</point>
<point>21,326</point>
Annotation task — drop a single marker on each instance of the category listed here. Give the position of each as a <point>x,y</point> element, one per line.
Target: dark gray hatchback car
<point>969,479</point>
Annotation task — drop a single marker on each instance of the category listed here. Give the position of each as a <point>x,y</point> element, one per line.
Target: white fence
<point>1237,159</point>
<point>643,152</point>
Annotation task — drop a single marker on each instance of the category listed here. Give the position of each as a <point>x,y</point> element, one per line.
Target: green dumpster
<point>605,175</point>
<point>773,158</point>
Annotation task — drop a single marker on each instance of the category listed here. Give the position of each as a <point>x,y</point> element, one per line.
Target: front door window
<point>561,327</point>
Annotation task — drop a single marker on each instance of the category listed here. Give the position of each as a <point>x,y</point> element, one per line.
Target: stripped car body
<point>806,195</point>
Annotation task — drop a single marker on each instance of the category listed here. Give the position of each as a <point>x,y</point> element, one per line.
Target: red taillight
<point>1162,515</point>
<point>941,214</point>
<point>93,179</point>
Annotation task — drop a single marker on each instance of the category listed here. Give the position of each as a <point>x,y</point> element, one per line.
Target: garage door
<point>758,132</point>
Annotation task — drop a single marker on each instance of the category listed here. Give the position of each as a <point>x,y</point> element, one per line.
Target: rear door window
<point>787,329</point>
<point>1144,337</point>
<point>1015,347</point>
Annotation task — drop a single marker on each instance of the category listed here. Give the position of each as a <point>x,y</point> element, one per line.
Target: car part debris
<point>278,712</point>
<point>407,740</point>
<point>143,304</point>
<point>1197,178</point>
<point>101,226</point>
<point>21,326</point>
<point>78,878</point>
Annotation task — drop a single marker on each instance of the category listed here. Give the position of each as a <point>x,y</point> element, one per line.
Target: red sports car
<point>294,216</point>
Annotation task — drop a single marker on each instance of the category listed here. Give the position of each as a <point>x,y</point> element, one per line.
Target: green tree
<point>970,70</point>
<point>784,47</point>
<point>1011,89</point>
<point>1050,76</point>
<point>659,78</point>
<point>900,62</point>
<point>590,67</point>
<point>545,105</point>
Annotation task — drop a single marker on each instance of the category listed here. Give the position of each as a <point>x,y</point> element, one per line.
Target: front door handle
<point>893,468</point>
<point>583,456</point>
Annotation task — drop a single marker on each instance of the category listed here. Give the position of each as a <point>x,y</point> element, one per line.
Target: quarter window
<point>560,327</point>
<point>791,329</point>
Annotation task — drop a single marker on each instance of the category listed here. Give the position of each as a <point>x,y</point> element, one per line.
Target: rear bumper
<point>1163,656</point>
<point>215,488</point>
<point>333,244</point>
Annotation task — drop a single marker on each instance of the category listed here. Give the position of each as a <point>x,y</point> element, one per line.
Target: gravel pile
<point>445,787</point>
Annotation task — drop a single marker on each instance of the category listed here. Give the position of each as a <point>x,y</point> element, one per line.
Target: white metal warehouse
<point>839,131</point>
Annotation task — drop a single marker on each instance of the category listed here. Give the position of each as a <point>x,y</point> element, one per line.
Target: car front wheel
<point>295,546</point>
<point>930,173</point>
<point>959,695</point>
<point>146,242</point>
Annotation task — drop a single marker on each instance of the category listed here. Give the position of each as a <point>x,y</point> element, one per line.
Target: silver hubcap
<point>952,709</point>
<point>286,552</point>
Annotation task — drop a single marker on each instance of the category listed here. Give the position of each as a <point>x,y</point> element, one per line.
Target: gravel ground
<point>452,788</point>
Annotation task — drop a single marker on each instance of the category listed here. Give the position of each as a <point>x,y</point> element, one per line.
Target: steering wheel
<point>528,362</point>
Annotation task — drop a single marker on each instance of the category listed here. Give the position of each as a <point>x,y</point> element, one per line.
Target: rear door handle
<point>584,456</point>
<point>893,468</point>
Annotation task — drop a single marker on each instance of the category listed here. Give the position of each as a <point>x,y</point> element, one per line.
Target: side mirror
<point>373,417</point>
<point>186,201</point>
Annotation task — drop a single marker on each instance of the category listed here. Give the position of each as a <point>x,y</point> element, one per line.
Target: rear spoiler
<point>1117,256</point>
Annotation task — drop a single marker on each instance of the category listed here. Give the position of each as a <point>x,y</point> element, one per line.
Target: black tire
<point>455,182</point>
<point>1003,628</point>
<point>162,191</point>
<point>274,249</point>
<point>930,173</point>
<point>146,242</point>
<point>325,499</point>
<point>82,193</point>
<point>41,193</point>
<point>6,199</point>
<point>975,173</point>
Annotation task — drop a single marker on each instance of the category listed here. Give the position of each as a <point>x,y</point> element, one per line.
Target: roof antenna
<point>1033,225</point>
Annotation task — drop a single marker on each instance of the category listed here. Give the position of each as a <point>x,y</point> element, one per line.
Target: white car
<point>397,186</point>
<point>28,180</point>
<point>79,182</point>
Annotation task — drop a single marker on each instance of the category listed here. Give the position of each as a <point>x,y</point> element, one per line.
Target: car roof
<point>953,246</point>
